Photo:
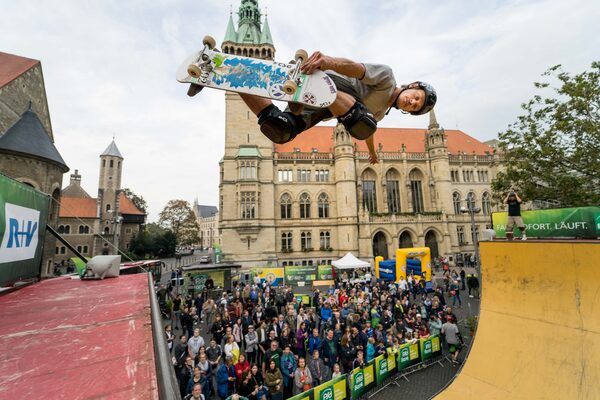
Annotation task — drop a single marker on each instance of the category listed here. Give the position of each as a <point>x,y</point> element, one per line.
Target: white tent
<point>350,262</point>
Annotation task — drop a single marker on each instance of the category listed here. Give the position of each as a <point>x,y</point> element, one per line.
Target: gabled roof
<point>80,207</point>
<point>112,150</point>
<point>392,139</point>
<point>127,206</point>
<point>206,211</point>
<point>11,67</point>
<point>28,137</point>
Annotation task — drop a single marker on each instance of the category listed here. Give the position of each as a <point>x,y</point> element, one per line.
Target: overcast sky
<point>109,69</point>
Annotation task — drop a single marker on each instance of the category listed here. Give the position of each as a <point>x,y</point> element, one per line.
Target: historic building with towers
<point>27,151</point>
<point>311,200</point>
<point>98,225</point>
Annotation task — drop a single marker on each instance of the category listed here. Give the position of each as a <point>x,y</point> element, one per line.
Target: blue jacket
<point>326,314</point>
<point>314,343</point>
<point>288,362</point>
<point>370,352</point>
<point>223,380</point>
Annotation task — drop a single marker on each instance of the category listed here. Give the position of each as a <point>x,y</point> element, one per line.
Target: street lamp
<point>471,209</point>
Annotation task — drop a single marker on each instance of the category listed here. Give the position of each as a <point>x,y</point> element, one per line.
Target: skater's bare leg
<point>343,102</point>
<point>255,104</point>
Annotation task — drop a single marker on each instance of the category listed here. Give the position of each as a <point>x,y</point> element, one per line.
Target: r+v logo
<point>20,236</point>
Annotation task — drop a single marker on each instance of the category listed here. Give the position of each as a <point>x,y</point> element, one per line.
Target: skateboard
<point>274,80</point>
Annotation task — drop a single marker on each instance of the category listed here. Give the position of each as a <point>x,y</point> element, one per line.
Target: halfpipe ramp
<point>539,327</point>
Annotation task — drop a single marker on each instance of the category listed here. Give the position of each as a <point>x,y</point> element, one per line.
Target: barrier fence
<point>362,380</point>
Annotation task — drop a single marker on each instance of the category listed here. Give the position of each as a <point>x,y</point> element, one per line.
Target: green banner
<point>324,273</point>
<point>335,389</point>
<point>361,380</point>
<point>303,396</point>
<point>303,299</point>
<point>430,347</point>
<point>581,222</point>
<point>408,355</point>
<point>385,365</point>
<point>296,273</point>
<point>23,216</point>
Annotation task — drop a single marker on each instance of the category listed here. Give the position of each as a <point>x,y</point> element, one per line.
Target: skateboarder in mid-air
<point>366,94</point>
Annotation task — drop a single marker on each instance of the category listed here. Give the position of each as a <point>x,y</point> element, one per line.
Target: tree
<point>553,151</point>
<point>153,241</point>
<point>139,201</point>
<point>179,217</point>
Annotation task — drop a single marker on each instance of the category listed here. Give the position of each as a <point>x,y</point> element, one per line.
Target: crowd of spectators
<point>262,343</point>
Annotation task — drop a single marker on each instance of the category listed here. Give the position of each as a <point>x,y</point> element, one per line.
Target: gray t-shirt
<point>450,330</point>
<point>375,88</point>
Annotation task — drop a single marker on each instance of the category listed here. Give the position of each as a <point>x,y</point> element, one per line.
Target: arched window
<point>471,200</point>
<point>107,207</point>
<point>416,187</point>
<point>324,240</point>
<point>456,201</point>
<point>323,203</point>
<point>306,241</point>
<point>286,241</point>
<point>393,191</point>
<point>486,204</point>
<point>81,229</point>
<point>286,206</point>
<point>61,229</point>
<point>67,229</point>
<point>304,205</point>
<point>369,191</point>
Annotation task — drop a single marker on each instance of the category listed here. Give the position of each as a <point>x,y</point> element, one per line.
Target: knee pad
<point>280,127</point>
<point>359,121</point>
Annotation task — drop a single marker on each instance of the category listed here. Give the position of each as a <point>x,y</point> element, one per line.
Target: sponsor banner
<point>335,389</point>
<point>23,215</point>
<point>303,396</point>
<point>303,299</point>
<point>299,273</point>
<point>197,280</point>
<point>273,276</point>
<point>581,222</point>
<point>430,347</point>
<point>361,380</point>
<point>408,355</point>
<point>381,368</point>
<point>324,273</point>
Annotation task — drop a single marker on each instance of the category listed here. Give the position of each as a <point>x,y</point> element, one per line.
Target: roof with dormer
<point>391,139</point>
<point>112,150</point>
<point>28,137</point>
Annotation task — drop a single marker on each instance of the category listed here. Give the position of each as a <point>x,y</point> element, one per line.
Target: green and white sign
<point>408,355</point>
<point>23,215</point>
<point>296,273</point>
<point>430,347</point>
<point>324,273</point>
<point>580,222</point>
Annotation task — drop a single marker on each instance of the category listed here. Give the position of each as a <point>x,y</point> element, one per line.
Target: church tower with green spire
<point>247,189</point>
<point>252,38</point>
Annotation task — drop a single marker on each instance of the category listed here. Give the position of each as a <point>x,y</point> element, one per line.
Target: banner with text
<point>361,380</point>
<point>299,273</point>
<point>408,355</point>
<point>430,347</point>
<point>23,215</point>
<point>335,389</point>
<point>385,365</point>
<point>581,222</point>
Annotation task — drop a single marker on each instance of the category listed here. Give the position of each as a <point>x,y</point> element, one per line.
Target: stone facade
<point>312,200</point>
<point>208,221</point>
<point>25,90</point>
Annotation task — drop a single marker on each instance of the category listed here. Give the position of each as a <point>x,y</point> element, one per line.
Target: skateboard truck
<point>202,67</point>
<point>291,85</point>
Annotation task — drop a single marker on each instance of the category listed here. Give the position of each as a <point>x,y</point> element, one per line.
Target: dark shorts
<point>455,347</point>
<point>313,116</point>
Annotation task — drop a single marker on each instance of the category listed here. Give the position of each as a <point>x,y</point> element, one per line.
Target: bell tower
<point>437,149</point>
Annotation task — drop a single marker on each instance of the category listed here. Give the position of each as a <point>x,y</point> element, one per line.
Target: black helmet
<point>430,96</point>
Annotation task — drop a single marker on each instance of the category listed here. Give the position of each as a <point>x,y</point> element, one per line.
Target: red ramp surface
<point>69,339</point>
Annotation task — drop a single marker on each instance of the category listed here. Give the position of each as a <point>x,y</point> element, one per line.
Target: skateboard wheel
<point>301,54</point>
<point>289,87</point>
<point>209,41</point>
<point>194,71</point>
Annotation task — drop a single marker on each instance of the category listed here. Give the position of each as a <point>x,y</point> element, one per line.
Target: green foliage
<point>552,152</point>
<point>153,241</point>
<point>179,217</point>
<point>139,201</point>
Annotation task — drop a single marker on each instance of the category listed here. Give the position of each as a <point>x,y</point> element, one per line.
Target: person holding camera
<point>513,201</point>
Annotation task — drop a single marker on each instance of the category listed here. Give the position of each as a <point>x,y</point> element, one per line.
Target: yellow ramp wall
<point>539,327</point>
